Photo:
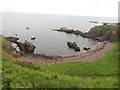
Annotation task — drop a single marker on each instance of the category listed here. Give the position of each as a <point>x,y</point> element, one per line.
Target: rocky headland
<point>99,33</point>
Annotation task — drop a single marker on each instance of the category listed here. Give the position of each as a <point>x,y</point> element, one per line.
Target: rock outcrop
<point>85,48</point>
<point>73,46</point>
<point>33,38</point>
<point>70,31</point>
<point>109,36</point>
<point>100,33</point>
<point>26,47</point>
<point>103,33</point>
<point>12,39</point>
<point>29,47</point>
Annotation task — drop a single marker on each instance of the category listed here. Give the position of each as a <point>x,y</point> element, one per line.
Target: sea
<point>49,42</point>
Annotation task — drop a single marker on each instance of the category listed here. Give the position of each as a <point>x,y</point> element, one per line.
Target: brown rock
<point>110,36</point>
<point>12,39</point>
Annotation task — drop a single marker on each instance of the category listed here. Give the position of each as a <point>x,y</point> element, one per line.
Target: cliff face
<point>103,33</point>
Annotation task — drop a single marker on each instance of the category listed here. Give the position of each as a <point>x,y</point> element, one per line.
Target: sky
<point>102,8</point>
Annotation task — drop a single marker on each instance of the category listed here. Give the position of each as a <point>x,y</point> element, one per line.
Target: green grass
<point>104,28</point>
<point>102,73</point>
<point>106,66</point>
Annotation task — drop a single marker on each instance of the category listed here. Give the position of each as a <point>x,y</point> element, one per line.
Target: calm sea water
<point>41,26</point>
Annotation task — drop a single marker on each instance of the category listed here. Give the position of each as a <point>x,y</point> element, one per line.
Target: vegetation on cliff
<point>100,33</point>
<point>103,32</point>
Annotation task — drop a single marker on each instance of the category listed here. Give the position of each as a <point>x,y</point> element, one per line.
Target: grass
<point>102,73</point>
<point>104,28</point>
<point>106,66</point>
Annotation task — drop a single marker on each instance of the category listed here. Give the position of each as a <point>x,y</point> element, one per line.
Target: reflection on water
<point>41,26</point>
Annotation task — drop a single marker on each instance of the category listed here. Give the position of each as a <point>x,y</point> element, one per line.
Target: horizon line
<point>56,14</point>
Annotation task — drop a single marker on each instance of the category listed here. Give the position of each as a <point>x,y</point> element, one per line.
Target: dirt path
<point>91,55</point>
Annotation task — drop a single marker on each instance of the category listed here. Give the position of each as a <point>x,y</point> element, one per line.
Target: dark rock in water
<point>77,32</point>
<point>29,47</point>
<point>12,39</point>
<point>26,47</point>
<point>93,22</point>
<point>71,31</point>
<point>73,45</point>
<point>21,46</point>
<point>16,35</point>
<point>69,44</point>
<point>85,48</point>
<point>33,38</point>
<point>77,48</point>
<point>27,28</point>
<point>63,28</point>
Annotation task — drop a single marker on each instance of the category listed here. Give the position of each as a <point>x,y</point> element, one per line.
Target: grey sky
<point>107,8</point>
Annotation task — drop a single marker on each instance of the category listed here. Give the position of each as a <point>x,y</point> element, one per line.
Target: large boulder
<point>21,46</point>
<point>26,47</point>
<point>70,44</point>
<point>77,49</point>
<point>29,47</point>
<point>73,46</point>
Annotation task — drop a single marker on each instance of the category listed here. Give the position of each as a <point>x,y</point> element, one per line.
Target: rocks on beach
<point>26,47</point>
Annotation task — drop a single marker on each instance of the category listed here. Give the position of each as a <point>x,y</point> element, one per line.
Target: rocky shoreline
<point>98,33</point>
<point>105,34</point>
<point>89,56</point>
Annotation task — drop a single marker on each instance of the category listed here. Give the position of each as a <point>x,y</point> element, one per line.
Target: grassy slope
<point>101,73</point>
<point>106,66</point>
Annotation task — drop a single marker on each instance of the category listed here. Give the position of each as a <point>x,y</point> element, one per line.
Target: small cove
<point>41,26</point>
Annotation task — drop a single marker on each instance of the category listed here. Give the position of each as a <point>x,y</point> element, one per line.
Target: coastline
<point>91,55</point>
<point>105,34</point>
